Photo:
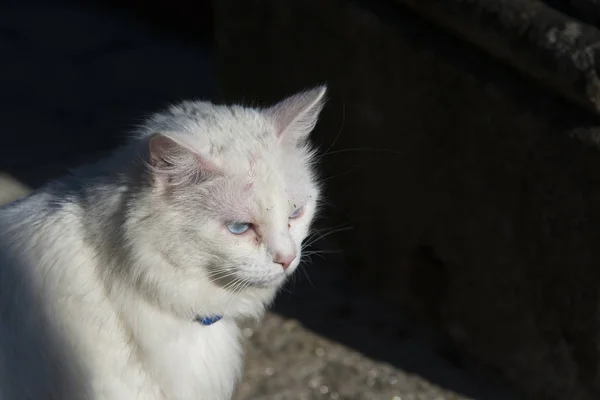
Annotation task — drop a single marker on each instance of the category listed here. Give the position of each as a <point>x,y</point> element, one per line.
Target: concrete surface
<point>288,362</point>
<point>11,189</point>
<point>74,79</point>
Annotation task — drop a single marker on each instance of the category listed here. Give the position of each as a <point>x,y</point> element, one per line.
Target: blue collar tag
<point>208,320</point>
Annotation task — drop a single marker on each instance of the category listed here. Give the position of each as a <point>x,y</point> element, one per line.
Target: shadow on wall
<point>75,79</point>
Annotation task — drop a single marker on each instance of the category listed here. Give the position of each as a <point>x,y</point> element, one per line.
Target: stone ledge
<point>11,189</point>
<point>553,48</point>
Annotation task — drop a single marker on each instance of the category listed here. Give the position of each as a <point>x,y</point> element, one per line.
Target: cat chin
<point>267,282</point>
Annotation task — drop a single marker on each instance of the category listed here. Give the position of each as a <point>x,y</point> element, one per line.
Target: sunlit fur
<point>103,272</point>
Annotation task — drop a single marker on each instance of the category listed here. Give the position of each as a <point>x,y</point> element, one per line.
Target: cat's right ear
<point>173,163</point>
<point>296,116</point>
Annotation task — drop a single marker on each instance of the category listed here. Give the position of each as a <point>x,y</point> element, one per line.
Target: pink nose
<point>284,259</point>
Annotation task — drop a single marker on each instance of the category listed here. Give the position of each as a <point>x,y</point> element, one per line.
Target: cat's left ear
<point>296,116</point>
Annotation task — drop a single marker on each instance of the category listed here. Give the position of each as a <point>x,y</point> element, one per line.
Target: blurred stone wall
<point>474,194</point>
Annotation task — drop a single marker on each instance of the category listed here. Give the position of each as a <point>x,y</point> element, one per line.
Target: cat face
<point>253,223</point>
<point>236,189</point>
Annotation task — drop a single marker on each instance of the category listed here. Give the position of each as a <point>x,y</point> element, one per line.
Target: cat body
<point>105,274</point>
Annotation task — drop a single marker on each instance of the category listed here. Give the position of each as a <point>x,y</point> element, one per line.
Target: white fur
<point>102,273</point>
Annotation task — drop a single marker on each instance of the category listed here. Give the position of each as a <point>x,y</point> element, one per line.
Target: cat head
<point>232,194</point>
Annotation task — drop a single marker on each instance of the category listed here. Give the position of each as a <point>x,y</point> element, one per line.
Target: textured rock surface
<point>285,361</point>
<point>473,193</point>
<point>542,42</point>
<point>11,189</point>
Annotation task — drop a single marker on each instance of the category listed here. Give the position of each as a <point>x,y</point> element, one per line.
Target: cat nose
<point>284,259</point>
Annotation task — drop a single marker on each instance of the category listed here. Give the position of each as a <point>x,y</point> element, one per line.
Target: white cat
<point>113,280</point>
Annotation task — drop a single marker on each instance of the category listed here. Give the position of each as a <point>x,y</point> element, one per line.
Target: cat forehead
<point>260,198</point>
<point>266,201</point>
<point>270,177</point>
<point>275,174</point>
<point>242,141</point>
<point>219,125</point>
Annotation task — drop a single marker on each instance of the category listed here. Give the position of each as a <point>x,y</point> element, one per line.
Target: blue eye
<point>297,212</point>
<point>237,228</point>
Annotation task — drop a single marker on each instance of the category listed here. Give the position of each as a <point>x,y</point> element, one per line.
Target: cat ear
<point>296,116</point>
<point>173,162</point>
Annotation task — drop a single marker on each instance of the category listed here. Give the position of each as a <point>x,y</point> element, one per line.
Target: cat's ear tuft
<point>163,149</point>
<point>296,116</point>
<point>172,162</point>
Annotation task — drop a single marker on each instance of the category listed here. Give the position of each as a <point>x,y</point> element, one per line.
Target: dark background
<point>76,76</point>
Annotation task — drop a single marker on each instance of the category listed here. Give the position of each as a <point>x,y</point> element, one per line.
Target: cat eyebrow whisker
<point>339,130</point>
<point>341,174</point>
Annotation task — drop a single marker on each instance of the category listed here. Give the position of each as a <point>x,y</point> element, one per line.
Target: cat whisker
<point>338,133</point>
<point>312,240</point>
<point>329,227</point>
<point>293,280</point>
<point>221,274</point>
<point>288,290</point>
<point>310,252</point>
<point>308,256</point>
<point>365,149</point>
<point>301,267</point>
<point>340,174</point>
<point>315,231</point>
<point>225,291</point>
<point>231,286</point>
<point>220,270</point>
<point>237,292</point>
